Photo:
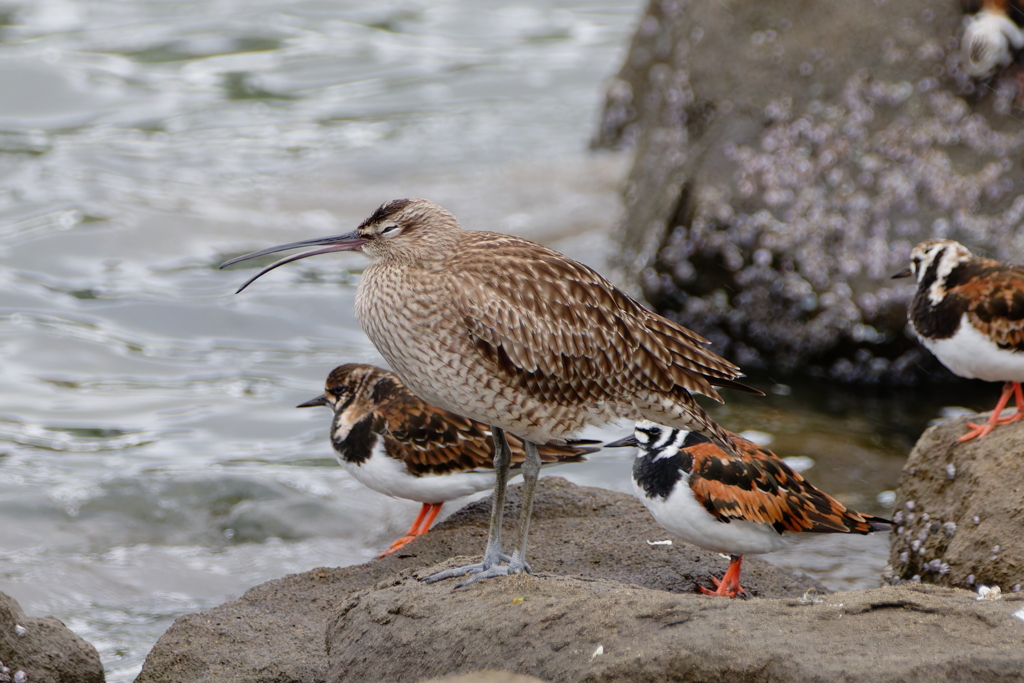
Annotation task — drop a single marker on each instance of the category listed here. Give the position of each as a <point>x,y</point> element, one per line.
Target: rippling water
<point>150,461</point>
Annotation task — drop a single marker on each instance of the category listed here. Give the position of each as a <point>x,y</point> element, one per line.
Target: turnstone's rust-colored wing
<point>992,294</point>
<point>758,487</point>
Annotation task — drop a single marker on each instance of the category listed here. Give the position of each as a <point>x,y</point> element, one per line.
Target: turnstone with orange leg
<point>395,444</point>
<point>990,38</point>
<point>739,504</point>
<point>969,312</point>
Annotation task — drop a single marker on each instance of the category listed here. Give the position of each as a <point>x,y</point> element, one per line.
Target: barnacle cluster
<point>919,547</point>
<point>921,542</point>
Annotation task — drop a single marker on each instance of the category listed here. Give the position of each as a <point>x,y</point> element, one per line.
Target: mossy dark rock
<point>788,156</point>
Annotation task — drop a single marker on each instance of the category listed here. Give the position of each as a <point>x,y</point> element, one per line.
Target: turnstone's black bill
<point>969,312</point>
<point>735,504</point>
<point>396,444</point>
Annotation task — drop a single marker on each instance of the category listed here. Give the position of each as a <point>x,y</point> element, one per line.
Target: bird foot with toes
<point>480,570</point>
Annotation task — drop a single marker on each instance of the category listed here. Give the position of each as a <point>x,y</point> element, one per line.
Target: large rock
<point>789,154</point>
<point>562,629</point>
<point>44,649</point>
<point>275,632</point>
<point>960,509</point>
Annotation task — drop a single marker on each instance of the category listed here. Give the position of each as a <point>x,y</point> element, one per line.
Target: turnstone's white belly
<point>972,354</point>
<point>391,477</point>
<point>683,516</point>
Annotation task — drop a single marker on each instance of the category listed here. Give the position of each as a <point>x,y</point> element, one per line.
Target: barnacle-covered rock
<point>789,155</point>
<point>960,510</point>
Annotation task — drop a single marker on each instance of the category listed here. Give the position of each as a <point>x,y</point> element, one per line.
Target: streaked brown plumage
<point>510,333</point>
<point>434,455</point>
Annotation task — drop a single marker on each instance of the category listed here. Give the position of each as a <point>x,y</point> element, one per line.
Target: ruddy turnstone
<point>735,504</point>
<point>989,37</point>
<point>395,444</point>
<point>969,312</point>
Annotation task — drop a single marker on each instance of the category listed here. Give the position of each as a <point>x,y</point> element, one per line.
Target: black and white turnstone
<point>969,312</point>
<point>395,444</point>
<point>990,38</point>
<point>735,504</point>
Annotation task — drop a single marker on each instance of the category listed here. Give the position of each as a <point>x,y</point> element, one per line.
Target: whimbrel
<point>510,333</point>
<point>395,444</point>
<point>751,502</point>
<point>969,312</point>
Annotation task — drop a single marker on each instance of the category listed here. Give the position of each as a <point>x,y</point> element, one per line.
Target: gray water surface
<point>151,463</point>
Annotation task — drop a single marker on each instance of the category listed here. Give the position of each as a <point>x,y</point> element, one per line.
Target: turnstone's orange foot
<point>729,586</point>
<point>969,312</point>
<point>738,503</point>
<point>394,443</point>
<point>396,545</point>
<point>996,420</point>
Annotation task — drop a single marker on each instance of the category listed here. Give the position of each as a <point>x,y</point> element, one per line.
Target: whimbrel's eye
<point>390,230</point>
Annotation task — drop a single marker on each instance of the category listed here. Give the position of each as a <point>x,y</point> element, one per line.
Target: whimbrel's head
<point>402,229</point>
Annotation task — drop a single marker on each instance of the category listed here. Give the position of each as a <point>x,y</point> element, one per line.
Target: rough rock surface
<point>564,629</point>
<point>960,509</point>
<point>44,649</point>
<point>788,156</point>
<point>275,632</point>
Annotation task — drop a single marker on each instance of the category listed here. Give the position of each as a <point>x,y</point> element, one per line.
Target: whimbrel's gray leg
<point>502,461</point>
<point>531,471</point>
<point>518,565</point>
<point>492,554</point>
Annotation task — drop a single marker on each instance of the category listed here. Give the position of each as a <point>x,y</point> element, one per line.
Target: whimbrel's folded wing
<point>550,318</point>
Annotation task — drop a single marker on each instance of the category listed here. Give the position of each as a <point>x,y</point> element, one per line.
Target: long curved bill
<point>350,241</point>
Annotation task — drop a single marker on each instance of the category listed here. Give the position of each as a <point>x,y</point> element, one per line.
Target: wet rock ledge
<point>568,629</point>
<point>276,631</point>
<point>788,156</point>
<point>599,588</point>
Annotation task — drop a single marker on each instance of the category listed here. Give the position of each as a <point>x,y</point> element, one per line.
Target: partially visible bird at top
<point>513,334</point>
<point>750,502</point>
<point>394,443</point>
<point>969,312</point>
<point>990,38</point>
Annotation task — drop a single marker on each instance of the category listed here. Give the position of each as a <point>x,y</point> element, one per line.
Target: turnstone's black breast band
<point>657,477</point>
<point>357,446</point>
